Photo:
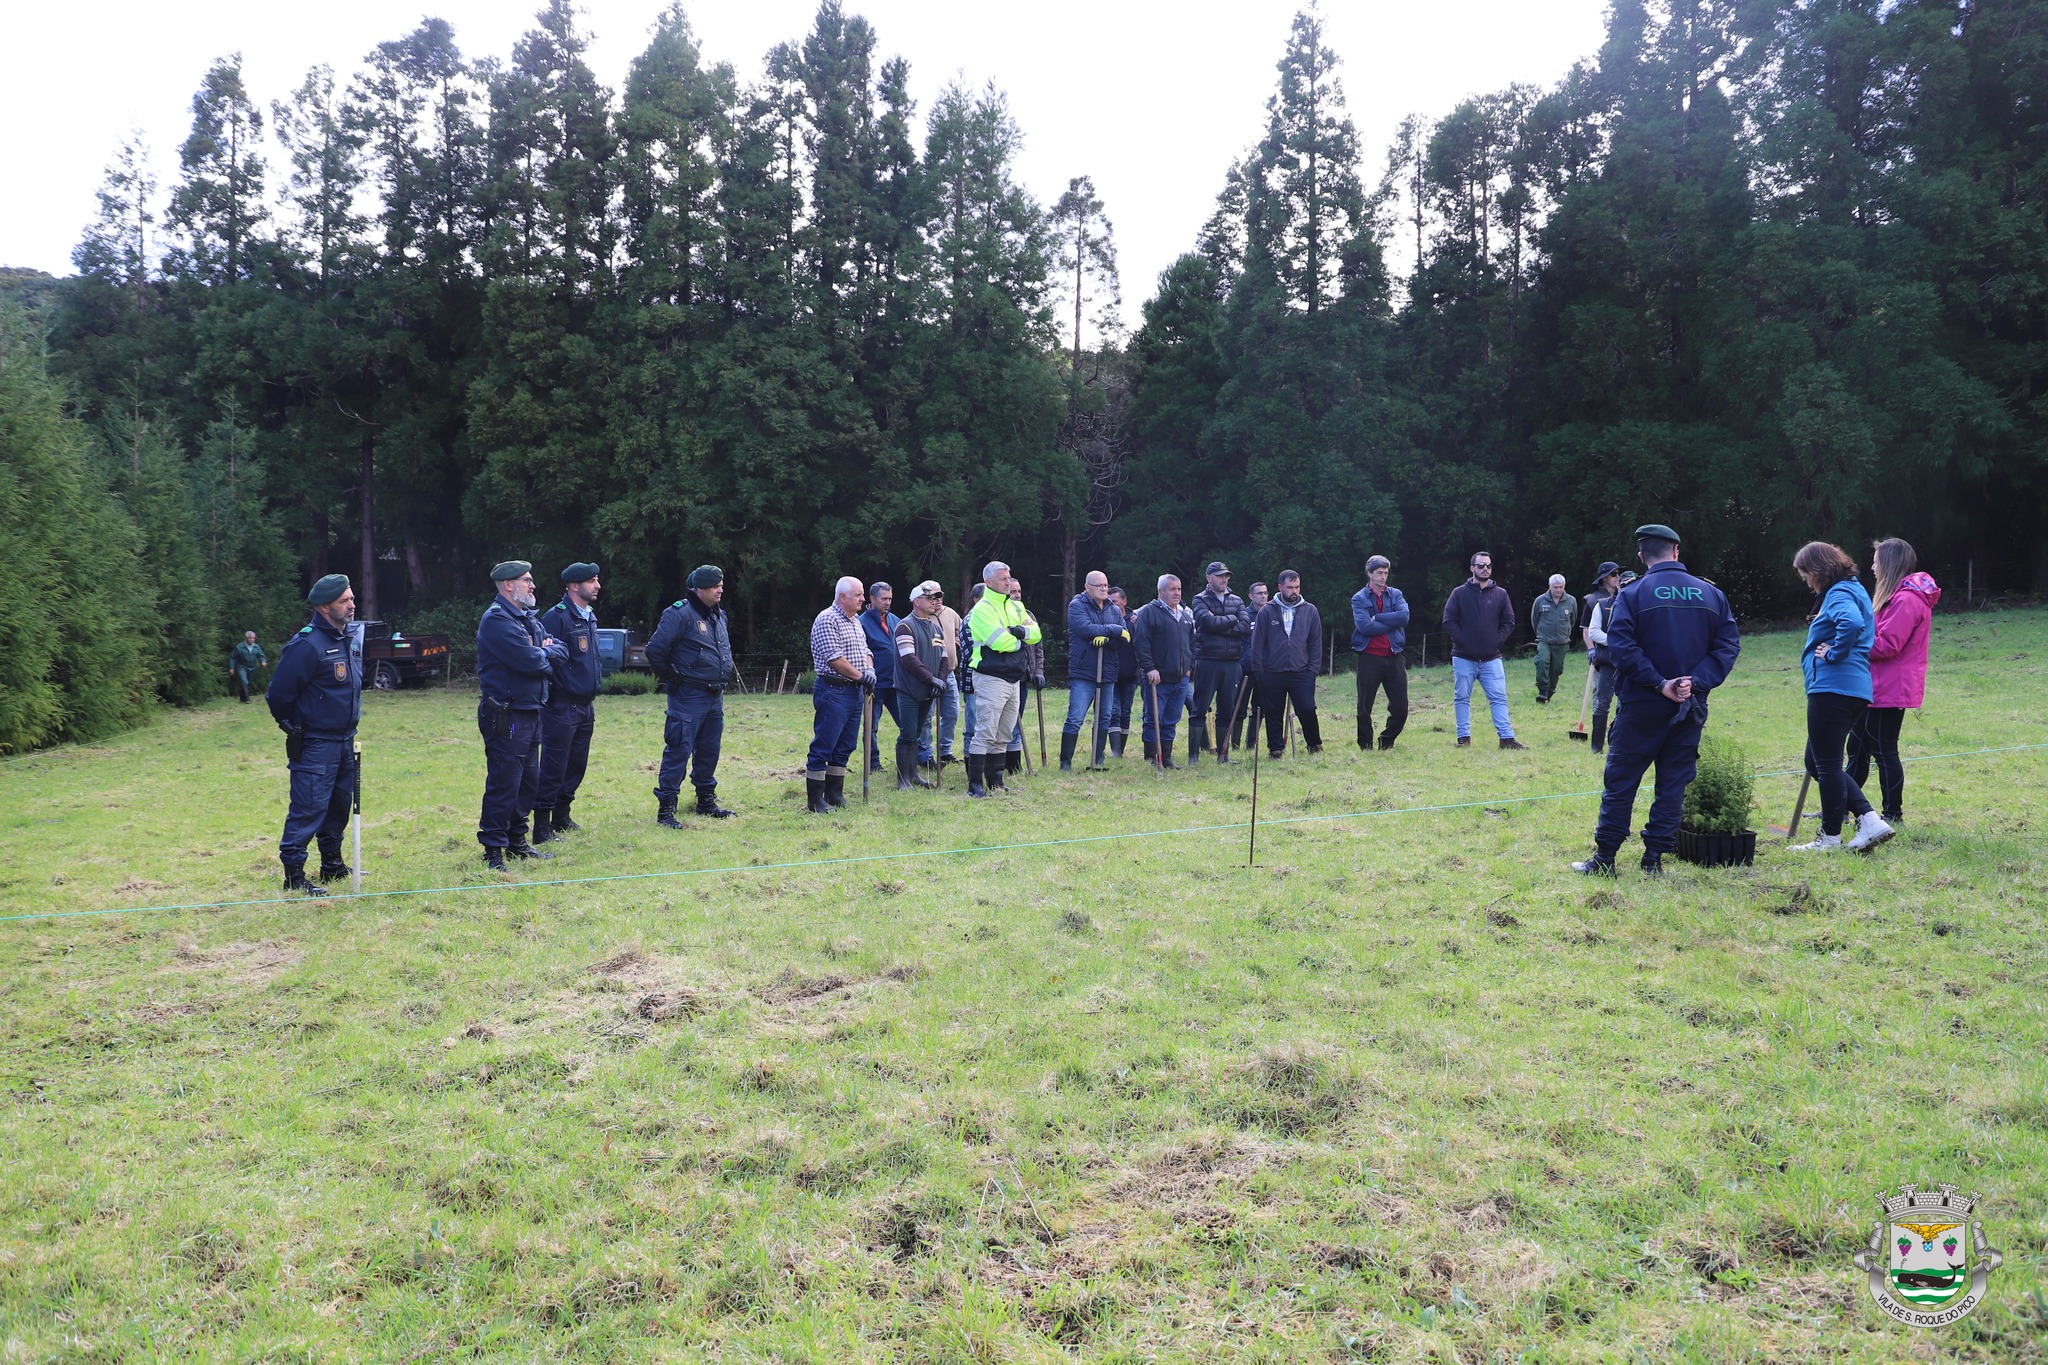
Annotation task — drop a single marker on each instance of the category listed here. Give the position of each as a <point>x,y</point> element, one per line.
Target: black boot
<point>835,790</point>
<point>1013,762</point>
<point>520,848</point>
<point>1599,733</point>
<point>707,805</point>
<point>1599,865</point>
<point>1067,743</point>
<point>665,813</point>
<point>1195,745</point>
<point>543,824</point>
<point>974,782</point>
<point>907,775</point>
<point>814,796</point>
<point>1117,739</point>
<point>992,773</point>
<point>1166,753</point>
<point>332,868</point>
<point>494,858</point>
<point>295,880</point>
<point>1653,863</point>
<point>563,824</point>
<point>1151,751</point>
<point>1101,747</point>
<point>1386,743</point>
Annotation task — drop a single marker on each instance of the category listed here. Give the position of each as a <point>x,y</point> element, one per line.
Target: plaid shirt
<point>835,635</point>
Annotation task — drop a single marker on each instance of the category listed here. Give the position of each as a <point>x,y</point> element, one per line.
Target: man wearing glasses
<point>514,657</point>
<point>1480,621</point>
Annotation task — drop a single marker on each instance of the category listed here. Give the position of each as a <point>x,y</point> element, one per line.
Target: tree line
<point>1766,272</point>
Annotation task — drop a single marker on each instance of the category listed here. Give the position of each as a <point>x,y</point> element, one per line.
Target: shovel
<point>1791,831</point>
<point>1585,708</point>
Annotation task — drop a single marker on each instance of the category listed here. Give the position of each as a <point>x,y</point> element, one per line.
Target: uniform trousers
<point>1643,735</point>
<point>323,788</point>
<point>1550,655</point>
<point>511,773</point>
<point>835,727</point>
<point>565,728</point>
<point>691,735</point>
<point>1374,672</point>
<point>242,682</point>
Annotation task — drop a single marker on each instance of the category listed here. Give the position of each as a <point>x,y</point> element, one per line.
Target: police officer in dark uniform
<point>1672,641</point>
<point>571,713</point>
<point>514,658</point>
<point>691,653</point>
<point>316,697</point>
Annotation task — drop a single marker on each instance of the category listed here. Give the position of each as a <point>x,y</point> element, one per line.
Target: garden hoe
<point>1585,707</point>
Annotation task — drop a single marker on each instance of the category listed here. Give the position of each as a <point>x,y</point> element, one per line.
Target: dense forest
<point>1766,271</point>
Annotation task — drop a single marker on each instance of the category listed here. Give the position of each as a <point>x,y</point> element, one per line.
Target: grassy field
<point>1407,1091</point>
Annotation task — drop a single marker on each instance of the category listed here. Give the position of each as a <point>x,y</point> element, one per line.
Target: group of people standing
<point>1658,645</point>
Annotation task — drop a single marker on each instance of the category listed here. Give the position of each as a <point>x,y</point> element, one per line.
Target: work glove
<point>1099,641</point>
<point>1039,682</point>
<point>867,680</point>
<point>1019,632</point>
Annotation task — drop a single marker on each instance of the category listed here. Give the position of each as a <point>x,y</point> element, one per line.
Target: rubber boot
<point>1166,753</point>
<point>563,824</point>
<point>1013,762</point>
<point>295,880</point>
<point>1067,743</point>
<point>814,796</point>
<point>665,813</point>
<point>1151,751</point>
<point>835,790</point>
<point>1117,739</point>
<point>907,775</point>
<point>1599,734</point>
<point>1194,745</point>
<point>1101,746</point>
<point>543,824</point>
<point>992,773</point>
<point>494,858</point>
<point>707,805</point>
<point>974,783</point>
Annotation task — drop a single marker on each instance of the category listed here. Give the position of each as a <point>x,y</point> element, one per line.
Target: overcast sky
<point>1153,99</point>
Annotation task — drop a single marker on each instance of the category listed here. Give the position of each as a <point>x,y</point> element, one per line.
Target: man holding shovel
<point>1095,626</point>
<point>1673,640</point>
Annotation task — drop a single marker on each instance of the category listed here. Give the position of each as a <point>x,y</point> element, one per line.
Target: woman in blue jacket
<point>1836,664</point>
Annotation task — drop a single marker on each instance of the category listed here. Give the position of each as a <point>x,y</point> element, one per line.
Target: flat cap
<point>578,573</point>
<point>1656,531</point>
<point>325,590</point>
<point>706,576</point>
<point>1607,566</point>
<point>1217,566</point>
<point>510,569</point>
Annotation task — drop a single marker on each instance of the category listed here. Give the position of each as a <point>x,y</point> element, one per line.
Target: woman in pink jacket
<point>1898,669</point>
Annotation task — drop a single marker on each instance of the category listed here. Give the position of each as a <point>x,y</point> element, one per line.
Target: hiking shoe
<point>1827,843</point>
<point>1512,743</point>
<point>1653,864</point>
<point>1599,865</point>
<point>1871,830</point>
<point>1464,741</point>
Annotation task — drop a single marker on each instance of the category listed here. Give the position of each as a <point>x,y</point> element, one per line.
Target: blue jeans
<point>1492,677</point>
<point>949,716</point>
<point>835,729</point>
<point>1171,696</point>
<point>323,790</point>
<point>691,736</point>
<point>1081,694</point>
<point>967,731</point>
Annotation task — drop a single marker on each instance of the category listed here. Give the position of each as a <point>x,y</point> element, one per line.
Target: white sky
<point>1153,99</point>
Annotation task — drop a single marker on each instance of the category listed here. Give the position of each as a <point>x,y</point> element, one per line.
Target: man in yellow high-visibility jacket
<point>999,629</point>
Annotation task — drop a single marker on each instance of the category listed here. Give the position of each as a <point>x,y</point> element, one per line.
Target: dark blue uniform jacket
<point>1669,624</point>
<point>692,645</point>
<point>579,671</point>
<point>511,666</point>
<point>317,688</point>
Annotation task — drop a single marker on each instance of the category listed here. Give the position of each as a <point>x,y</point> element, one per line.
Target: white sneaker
<point>1827,843</point>
<point>1871,830</point>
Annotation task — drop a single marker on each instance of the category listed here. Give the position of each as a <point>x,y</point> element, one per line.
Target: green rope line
<point>904,856</point>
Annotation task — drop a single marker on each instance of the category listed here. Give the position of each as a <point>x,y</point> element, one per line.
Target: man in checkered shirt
<point>846,675</point>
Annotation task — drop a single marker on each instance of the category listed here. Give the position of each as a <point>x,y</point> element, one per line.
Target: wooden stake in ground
<point>1040,689</point>
<point>1251,856</point>
<point>356,821</point>
<point>1585,705</point>
<point>1798,807</point>
<point>1158,729</point>
<point>783,681</point>
<point>867,730</point>
<point>938,763</point>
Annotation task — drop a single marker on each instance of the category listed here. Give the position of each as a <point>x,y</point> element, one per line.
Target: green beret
<point>327,589</point>
<point>1654,531</point>
<point>706,576</point>
<point>510,569</point>
<point>579,573</point>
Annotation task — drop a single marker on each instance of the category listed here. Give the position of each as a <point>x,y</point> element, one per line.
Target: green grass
<point>1408,1091</point>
